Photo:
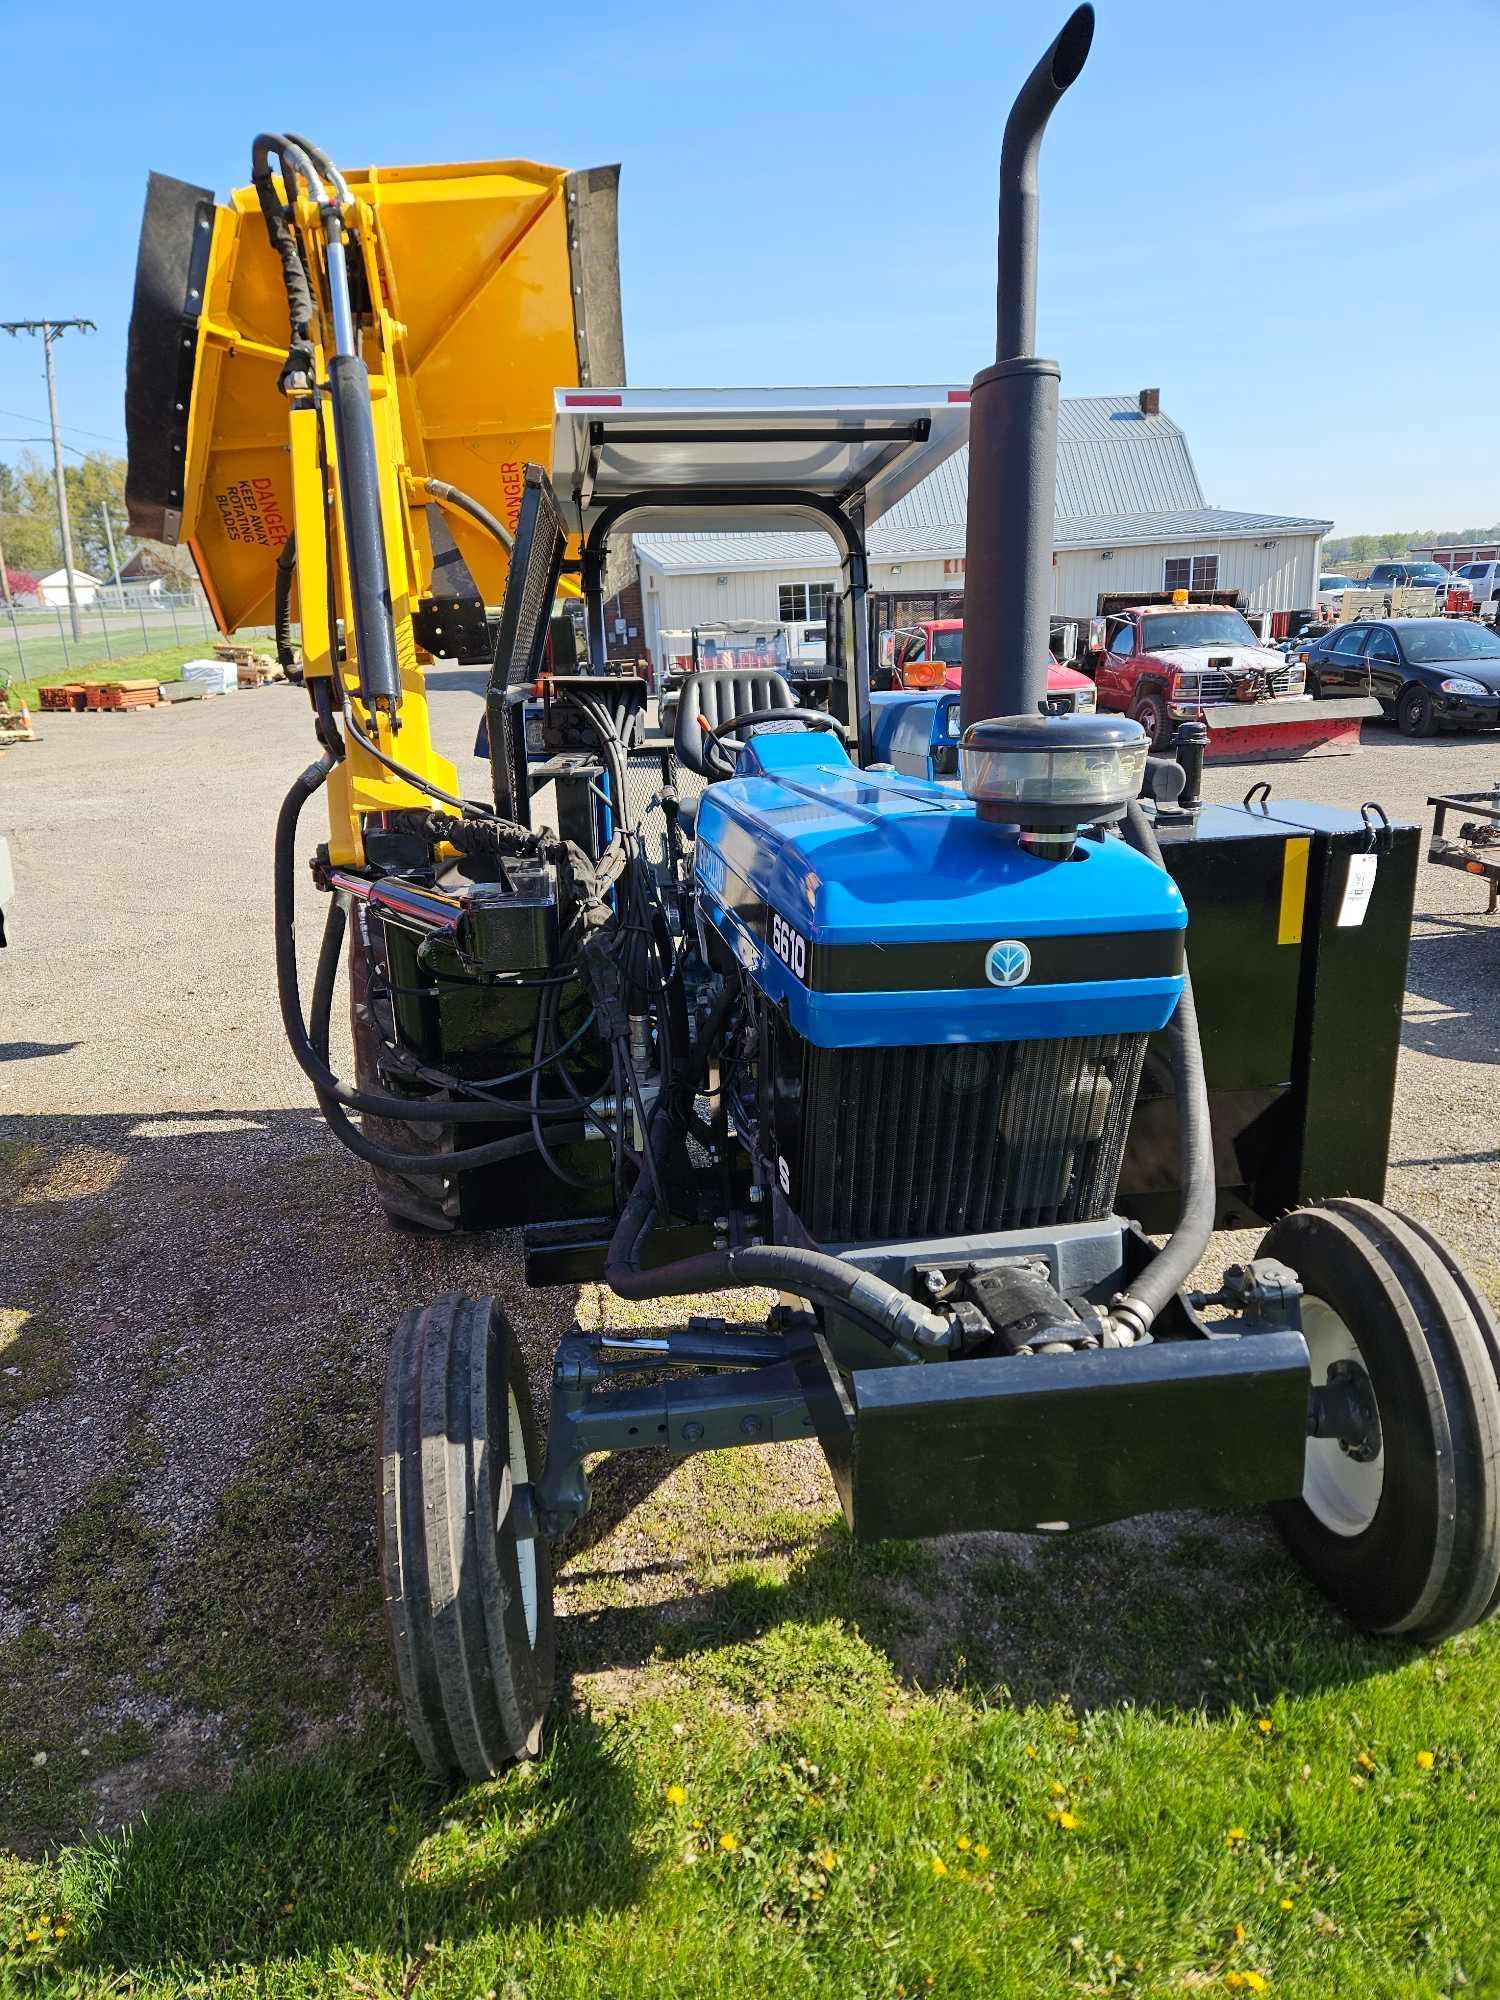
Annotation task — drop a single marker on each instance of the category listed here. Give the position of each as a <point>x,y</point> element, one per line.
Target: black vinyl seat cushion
<point>718,697</point>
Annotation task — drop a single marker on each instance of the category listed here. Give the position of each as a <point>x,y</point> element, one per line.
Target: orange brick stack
<point>124,694</point>
<point>73,695</point>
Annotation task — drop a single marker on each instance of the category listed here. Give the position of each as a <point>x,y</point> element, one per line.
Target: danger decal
<point>250,512</point>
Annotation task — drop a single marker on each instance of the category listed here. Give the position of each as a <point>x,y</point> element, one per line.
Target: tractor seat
<point>718,696</point>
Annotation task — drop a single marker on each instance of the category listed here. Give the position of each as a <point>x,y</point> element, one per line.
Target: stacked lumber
<point>252,669</point>
<point>72,695</point>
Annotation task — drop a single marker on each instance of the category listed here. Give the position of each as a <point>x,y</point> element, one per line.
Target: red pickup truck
<point>1171,663</point>
<point>931,654</point>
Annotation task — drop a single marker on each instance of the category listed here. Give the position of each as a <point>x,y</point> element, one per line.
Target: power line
<point>25,417</point>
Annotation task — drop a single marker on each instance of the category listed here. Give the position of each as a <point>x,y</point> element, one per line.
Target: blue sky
<point>1281,215</point>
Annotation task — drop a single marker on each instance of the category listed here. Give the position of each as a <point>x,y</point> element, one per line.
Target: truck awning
<point>848,446</point>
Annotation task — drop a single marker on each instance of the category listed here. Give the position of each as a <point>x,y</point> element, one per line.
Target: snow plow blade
<point>1258,731</point>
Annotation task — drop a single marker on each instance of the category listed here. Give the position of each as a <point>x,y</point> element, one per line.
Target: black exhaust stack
<point>1013,428</point>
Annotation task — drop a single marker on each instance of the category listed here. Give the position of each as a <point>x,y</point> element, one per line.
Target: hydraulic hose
<point>465,503</point>
<point>286,570</point>
<point>336,1098</point>
<point>896,1320</point>
<point>1173,1264</point>
<point>330,952</point>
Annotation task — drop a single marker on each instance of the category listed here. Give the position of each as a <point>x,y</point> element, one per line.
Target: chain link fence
<point>37,641</point>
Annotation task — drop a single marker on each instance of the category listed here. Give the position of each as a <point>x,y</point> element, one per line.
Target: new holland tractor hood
<point>480,289</point>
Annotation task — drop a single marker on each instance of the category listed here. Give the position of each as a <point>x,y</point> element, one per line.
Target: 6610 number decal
<point>790,947</point>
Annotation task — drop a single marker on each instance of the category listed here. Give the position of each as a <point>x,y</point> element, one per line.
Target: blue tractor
<point>885,1011</point>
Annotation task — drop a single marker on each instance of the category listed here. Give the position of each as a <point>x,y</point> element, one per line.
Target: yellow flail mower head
<point>334,385</point>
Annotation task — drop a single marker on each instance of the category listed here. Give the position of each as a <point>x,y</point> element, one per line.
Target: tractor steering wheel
<point>716,758</point>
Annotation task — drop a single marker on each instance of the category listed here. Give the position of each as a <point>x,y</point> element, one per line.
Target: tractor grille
<point>963,1139</point>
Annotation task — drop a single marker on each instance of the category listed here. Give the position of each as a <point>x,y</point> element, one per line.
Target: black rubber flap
<point>170,268</point>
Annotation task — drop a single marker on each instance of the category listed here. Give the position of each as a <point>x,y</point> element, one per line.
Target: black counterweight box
<point>1299,924</point>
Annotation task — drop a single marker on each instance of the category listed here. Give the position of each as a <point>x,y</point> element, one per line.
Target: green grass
<point>1252,1801</point>
<point>163,665</point>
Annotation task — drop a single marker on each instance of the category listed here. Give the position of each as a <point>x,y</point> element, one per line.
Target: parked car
<point>931,654</point>
<point>1165,664</point>
<point>1389,576</point>
<point>1425,672</point>
<point>1331,593</point>
<point>1482,580</point>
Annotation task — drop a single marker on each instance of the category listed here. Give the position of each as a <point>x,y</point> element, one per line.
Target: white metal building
<point>1130,517</point>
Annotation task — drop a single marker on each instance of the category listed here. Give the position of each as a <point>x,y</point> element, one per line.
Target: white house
<point>53,588</point>
<point>1130,517</point>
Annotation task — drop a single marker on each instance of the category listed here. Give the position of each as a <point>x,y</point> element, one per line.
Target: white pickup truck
<point>1483,579</point>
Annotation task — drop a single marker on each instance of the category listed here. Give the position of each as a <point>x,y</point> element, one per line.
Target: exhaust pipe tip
<point>1071,49</point>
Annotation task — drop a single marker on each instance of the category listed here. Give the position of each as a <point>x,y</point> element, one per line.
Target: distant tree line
<point>1375,548</point>
<point>28,523</point>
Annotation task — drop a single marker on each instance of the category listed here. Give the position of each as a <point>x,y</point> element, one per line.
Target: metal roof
<point>846,445</point>
<point>1110,459</point>
<point>1187,524</point>
<point>689,555</point>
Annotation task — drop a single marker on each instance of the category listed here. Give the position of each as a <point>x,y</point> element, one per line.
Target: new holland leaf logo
<point>1007,963</point>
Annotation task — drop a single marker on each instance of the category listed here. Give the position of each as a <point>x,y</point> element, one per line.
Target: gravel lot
<point>198,1285</point>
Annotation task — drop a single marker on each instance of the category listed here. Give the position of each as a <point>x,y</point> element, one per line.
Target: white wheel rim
<point>518,1474</point>
<point>1341,1492</point>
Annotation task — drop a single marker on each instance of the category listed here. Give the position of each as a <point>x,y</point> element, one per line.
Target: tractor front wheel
<point>1399,1516</point>
<point>468,1600</point>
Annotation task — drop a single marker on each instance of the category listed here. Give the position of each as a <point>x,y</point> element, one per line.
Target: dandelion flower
<point>827,1860</point>
<point>60,1931</point>
<point>1286,1902</point>
<point>1234,1978</point>
<point>1058,1791</point>
<point>981,1852</point>
<point>964,1842</point>
<point>1235,1833</point>
<point>676,1796</point>
<point>1264,1725</point>
<point>1425,1760</point>
<point>1256,1981</point>
<point>939,1866</point>
<point>1239,1933</point>
<point>33,1937</point>
<point>1067,1821</point>
<point>728,1842</point>
<point>1365,1761</point>
<point>1030,1750</point>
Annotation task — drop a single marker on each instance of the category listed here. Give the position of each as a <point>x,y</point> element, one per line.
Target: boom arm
<point>472,293</point>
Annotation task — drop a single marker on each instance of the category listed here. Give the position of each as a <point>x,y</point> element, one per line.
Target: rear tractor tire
<point>468,1603</point>
<point>1402,1529</point>
<point>411,1200</point>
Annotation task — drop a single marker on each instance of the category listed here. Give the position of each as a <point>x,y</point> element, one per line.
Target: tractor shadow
<point>353,1852</point>
<point>1184,1614</point>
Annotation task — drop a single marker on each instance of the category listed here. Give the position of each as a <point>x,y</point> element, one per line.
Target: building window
<point>1190,573</point>
<point>797,602</point>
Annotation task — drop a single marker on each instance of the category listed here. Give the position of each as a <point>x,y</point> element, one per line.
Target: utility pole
<point>109,536</point>
<point>4,579</point>
<point>52,330</point>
